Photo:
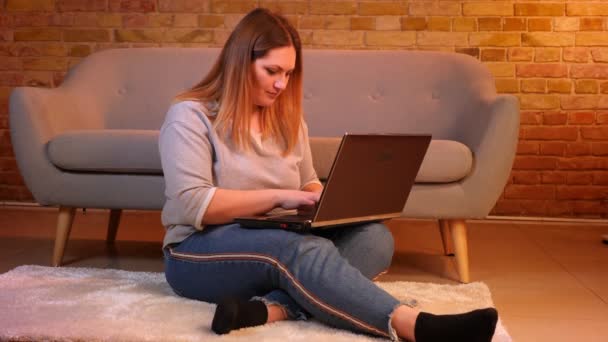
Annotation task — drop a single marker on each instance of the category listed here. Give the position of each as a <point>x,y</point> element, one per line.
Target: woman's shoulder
<point>188,112</point>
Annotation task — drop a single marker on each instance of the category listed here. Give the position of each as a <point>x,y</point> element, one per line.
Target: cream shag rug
<point>84,304</point>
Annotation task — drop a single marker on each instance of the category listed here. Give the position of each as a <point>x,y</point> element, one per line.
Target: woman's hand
<point>294,199</point>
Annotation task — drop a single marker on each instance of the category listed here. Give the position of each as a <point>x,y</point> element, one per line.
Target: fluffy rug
<point>83,304</point>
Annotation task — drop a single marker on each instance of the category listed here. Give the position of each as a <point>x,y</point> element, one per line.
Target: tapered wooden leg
<point>446,237</point>
<point>458,229</point>
<point>113,225</point>
<point>64,226</point>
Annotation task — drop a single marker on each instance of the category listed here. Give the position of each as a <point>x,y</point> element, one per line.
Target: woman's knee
<point>309,245</point>
<point>381,241</point>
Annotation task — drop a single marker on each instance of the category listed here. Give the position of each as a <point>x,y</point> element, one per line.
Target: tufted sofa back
<point>355,91</point>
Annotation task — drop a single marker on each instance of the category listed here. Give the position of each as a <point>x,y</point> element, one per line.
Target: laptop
<point>370,180</point>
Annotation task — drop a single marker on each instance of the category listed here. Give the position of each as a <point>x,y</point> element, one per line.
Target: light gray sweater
<point>196,162</point>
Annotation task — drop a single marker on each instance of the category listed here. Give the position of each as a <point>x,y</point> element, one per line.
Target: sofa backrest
<point>354,91</point>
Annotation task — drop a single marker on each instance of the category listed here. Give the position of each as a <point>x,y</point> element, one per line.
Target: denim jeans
<point>326,275</point>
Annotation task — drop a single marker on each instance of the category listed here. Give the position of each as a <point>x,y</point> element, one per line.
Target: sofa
<point>92,142</point>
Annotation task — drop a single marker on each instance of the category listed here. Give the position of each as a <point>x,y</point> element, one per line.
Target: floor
<point>549,281</point>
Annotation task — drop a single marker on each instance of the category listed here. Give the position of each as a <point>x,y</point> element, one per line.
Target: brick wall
<point>553,55</point>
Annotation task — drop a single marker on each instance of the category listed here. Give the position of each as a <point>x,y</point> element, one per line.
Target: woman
<point>236,145</point>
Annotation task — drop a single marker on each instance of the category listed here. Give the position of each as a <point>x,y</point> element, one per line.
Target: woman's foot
<point>232,314</point>
<point>473,326</point>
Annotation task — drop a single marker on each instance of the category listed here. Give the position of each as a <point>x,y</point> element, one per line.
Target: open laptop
<point>370,180</point>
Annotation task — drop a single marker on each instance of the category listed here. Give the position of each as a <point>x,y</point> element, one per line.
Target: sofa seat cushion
<point>136,152</point>
<point>110,151</point>
<point>445,161</point>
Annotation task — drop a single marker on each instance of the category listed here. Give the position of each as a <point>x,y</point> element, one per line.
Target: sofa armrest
<point>36,115</point>
<point>494,147</point>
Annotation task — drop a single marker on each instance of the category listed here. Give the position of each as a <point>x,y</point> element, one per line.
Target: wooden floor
<point>549,281</point>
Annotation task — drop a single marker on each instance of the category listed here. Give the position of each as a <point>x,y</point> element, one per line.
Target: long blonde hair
<point>226,89</point>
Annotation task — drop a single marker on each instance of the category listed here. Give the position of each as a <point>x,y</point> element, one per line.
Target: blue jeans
<point>326,275</point>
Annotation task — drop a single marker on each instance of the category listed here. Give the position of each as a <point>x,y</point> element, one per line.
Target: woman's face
<point>271,74</point>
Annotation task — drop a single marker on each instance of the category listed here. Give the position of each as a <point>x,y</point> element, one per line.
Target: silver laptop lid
<point>371,177</point>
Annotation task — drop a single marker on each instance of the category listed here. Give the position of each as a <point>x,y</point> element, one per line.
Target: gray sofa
<point>92,142</point>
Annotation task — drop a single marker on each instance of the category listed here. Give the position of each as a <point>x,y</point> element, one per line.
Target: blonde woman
<point>236,145</point>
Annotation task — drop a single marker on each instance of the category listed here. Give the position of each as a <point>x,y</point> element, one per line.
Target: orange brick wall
<point>553,55</point>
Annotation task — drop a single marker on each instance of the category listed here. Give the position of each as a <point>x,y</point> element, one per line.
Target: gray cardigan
<point>196,161</point>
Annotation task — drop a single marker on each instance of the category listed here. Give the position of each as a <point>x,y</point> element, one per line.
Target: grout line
<point>563,267</point>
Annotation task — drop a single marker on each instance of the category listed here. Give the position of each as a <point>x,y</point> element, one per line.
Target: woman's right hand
<point>294,199</point>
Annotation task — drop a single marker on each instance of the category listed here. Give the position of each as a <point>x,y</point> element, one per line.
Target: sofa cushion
<point>136,151</point>
<point>111,150</point>
<point>446,161</point>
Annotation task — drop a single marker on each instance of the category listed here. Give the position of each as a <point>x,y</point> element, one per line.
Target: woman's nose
<point>280,84</point>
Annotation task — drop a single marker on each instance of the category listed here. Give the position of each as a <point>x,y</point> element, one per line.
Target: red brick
<point>526,147</point>
<point>586,86</point>
<point>538,101</point>
<point>578,149</point>
<point>576,54</point>
<point>600,177</point>
<point>535,163</point>
<point>579,101</point>
<point>33,19</point>
<point>580,8</point>
<point>521,54</point>
<point>554,118</point>
<point>534,207</point>
<point>592,24</point>
<point>6,20</point>
<point>552,148</point>
<point>515,191</point>
<point>594,133</point>
<point>413,24</point>
<point>582,192</point>
<point>132,6</point>
<point>11,178</point>
<point>534,10</point>
<point>81,5</point>
<point>494,55</point>
<point>579,178</point>
<point>548,55</point>
<point>590,208</point>
<point>11,79</point>
<point>135,20</point>
<point>551,133</point>
<point>526,177</point>
<point>530,118</point>
<point>514,24</point>
<point>538,24</point>
<point>541,70</point>
<point>589,71</point>
<point>604,87</point>
<point>489,24</point>
<point>553,177</point>
<point>599,149</point>
<point>559,208</point>
<point>30,5</point>
<point>581,118</point>
<point>583,163</point>
<point>602,117</point>
<point>185,6</point>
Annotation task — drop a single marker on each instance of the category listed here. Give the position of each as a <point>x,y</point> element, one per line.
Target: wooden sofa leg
<point>64,226</point>
<point>458,229</point>
<point>446,237</point>
<point>113,225</point>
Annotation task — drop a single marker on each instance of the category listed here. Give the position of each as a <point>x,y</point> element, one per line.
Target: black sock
<point>474,326</point>
<point>231,314</point>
